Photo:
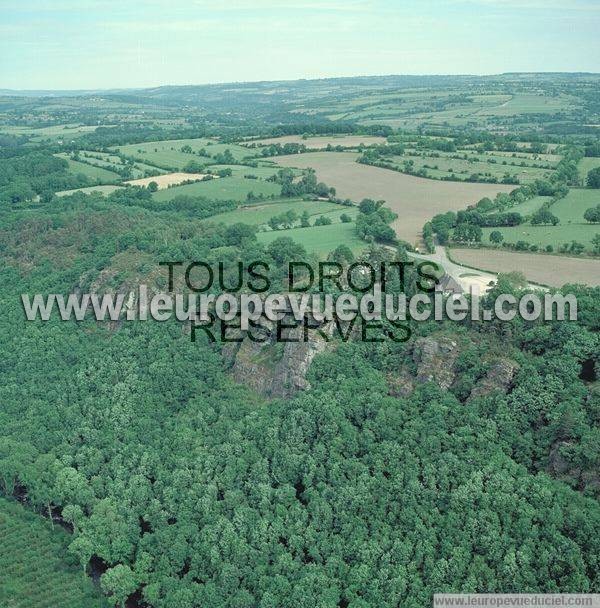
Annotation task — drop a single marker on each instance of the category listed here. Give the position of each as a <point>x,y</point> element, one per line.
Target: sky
<point>100,44</point>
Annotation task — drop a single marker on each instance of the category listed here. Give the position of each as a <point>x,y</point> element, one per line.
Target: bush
<point>496,237</point>
<point>593,178</point>
<point>592,214</point>
<point>323,220</point>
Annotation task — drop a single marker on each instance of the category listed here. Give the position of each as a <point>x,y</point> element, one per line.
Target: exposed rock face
<point>291,371</point>
<point>498,378</point>
<point>279,369</point>
<point>435,359</point>
<point>401,385</point>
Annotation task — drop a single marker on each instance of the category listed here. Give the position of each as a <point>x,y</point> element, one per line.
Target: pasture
<point>586,164</point>
<point>168,154</point>
<point>416,200</point>
<point>551,270</point>
<point>114,163</point>
<point>36,570</point>
<point>530,205</point>
<point>318,239</point>
<point>262,171</point>
<point>225,188</point>
<point>463,164</point>
<point>97,174</point>
<point>572,227</point>
<point>260,213</point>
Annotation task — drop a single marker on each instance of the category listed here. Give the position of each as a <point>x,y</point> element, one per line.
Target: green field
<point>263,171</point>
<point>56,132</point>
<point>319,239</point>
<point>464,163</point>
<point>450,107</point>
<point>531,205</point>
<point>256,215</point>
<point>35,568</point>
<point>167,154</point>
<point>572,226</point>
<point>112,162</point>
<point>224,188</point>
<point>98,174</point>
<point>586,165</point>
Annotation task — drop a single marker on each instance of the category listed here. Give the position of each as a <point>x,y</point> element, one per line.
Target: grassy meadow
<point>111,162</point>
<point>572,227</point>
<point>224,188</point>
<point>97,174</point>
<point>168,155</point>
<point>463,164</point>
<point>319,239</point>
<point>586,164</point>
<point>261,213</point>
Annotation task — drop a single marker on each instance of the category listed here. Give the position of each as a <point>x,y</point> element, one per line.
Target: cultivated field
<point>415,200</point>
<point>225,188</point>
<point>550,270</point>
<point>348,141</point>
<point>89,190</point>
<point>35,569</point>
<point>166,180</point>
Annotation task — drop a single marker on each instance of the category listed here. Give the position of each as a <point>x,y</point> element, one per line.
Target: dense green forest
<point>176,486</point>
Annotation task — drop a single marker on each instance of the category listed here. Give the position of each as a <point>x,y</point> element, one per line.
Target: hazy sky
<point>78,44</point>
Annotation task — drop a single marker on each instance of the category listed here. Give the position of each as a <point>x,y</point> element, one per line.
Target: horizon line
<point>307,79</point>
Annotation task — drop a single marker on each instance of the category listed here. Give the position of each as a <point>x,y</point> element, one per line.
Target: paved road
<point>466,277</point>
